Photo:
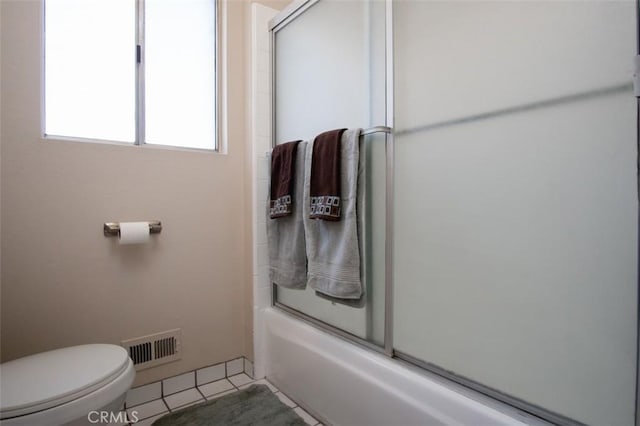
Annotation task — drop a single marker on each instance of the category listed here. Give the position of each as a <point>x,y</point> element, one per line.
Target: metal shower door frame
<point>289,14</point>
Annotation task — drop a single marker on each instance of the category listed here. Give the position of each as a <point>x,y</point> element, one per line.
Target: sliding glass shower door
<point>516,206</point>
<point>515,200</point>
<point>329,65</point>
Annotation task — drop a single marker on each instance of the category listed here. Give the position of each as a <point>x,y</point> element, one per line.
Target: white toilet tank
<point>64,385</point>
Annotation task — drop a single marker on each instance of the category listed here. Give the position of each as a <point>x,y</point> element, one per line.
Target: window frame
<point>138,49</point>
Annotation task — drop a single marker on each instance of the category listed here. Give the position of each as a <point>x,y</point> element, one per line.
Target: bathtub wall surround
<point>261,144</point>
<point>257,116</point>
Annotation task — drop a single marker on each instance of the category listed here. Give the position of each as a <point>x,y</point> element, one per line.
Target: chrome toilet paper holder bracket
<point>112,229</point>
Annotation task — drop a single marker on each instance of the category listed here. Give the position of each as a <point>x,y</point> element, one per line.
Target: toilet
<point>68,386</point>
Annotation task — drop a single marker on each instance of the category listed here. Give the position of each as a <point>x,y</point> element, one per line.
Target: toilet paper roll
<point>134,232</point>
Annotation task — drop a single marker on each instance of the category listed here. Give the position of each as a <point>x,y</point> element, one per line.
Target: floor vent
<point>155,349</point>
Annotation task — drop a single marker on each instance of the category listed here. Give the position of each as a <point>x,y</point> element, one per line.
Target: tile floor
<point>148,412</point>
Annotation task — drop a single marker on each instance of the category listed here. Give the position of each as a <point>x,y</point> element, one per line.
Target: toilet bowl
<point>69,386</point>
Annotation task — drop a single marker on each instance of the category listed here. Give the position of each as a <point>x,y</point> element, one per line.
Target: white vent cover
<point>155,349</point>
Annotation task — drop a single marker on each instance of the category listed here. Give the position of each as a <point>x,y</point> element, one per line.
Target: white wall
<point>63,282</point>
<point>260,112</point>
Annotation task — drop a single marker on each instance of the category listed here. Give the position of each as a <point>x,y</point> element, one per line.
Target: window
<point>140,72</point>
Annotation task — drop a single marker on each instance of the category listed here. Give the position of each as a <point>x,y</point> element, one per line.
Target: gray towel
<point>333,256</point>
<point>285,236</point>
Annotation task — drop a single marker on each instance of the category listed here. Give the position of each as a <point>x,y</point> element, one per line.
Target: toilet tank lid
<point>52,378</point>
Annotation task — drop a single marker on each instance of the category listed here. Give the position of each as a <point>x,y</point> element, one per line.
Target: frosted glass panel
<point>329,69</point>
<point>180,73</point>
<point>90,69</point>
<point>516,231</point>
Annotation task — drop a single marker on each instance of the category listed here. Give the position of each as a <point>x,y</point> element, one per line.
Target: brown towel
<point>283,169</point>
<point>324,184</point>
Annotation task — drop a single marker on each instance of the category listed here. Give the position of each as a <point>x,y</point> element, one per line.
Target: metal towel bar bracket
<point>376,129</point>
<point>112,229</point>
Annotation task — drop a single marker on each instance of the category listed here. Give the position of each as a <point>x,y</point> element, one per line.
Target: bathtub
<point>343,384</point>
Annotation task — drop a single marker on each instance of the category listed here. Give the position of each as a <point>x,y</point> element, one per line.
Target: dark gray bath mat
<point>256,405</point>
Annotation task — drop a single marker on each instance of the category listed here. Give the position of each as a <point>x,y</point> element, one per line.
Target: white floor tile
<point>218,395</point>
<point>148,409</point>
<point>215,387</point>
<point>121,416</point>
<point>240,379</point>
<point>308,418</point>
<point>142,394</point>
<point>183,398</point>
<point>285,400</point>
<point>189,405</point>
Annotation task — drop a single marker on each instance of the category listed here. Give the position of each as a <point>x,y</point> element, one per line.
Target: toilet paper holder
<point>112,229</point>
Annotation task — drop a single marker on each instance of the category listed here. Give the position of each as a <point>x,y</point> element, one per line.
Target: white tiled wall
<point>156,399</point>
<point>235,366</point>
<point>210,374</point>
<point>182,382</point>
<point>261,144</point>
<point>178,383</point>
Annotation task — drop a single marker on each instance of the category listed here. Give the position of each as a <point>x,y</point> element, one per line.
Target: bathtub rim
<point>432,373</point>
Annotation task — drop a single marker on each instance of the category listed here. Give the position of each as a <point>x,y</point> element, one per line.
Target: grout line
<point>165,404</point>
<point>200,392</point>
<point>185,389</point>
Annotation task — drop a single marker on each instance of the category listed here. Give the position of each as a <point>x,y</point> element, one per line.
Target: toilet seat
<point>43,381</point>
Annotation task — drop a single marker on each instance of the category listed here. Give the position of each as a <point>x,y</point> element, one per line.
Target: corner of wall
<point>260,102</point>
<point>1,180</point>
<point>255,12</point>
